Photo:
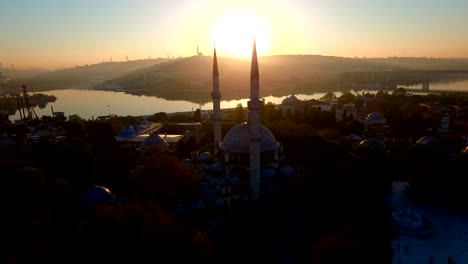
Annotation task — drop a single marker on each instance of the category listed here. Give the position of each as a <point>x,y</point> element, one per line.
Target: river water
<point>93,103</point>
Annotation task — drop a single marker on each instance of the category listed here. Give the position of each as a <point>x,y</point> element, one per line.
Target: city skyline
<point>56,34</point>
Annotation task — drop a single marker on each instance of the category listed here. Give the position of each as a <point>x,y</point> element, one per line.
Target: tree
<point>347,98</point>
<point>76,129</point>
<point>289,114</point>
<point>164,179</point>
<point>352,127</point>
<point>344,117</point>
<point>75,118</point>
<point>179,118</point>
<point>102,139</point>
<point>197,115</point>
<point>160,117</point>
<point>399,92</point>
<point>328,97</point>
<point>239,113</point>
<point>116,125</point>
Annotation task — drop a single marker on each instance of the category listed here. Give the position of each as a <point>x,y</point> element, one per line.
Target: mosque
<point>249,145</point>
<point>248,164</point>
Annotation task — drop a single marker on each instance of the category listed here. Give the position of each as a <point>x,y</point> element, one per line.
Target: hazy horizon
<point>219,57</point>
<point>54,34</point>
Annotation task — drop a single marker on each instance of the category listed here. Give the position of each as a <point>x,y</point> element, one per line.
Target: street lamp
<point>108,109</point>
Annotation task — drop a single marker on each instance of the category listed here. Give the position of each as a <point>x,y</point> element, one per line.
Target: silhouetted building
<point>250,146</point>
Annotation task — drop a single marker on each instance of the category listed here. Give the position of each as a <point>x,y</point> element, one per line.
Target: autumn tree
<point>164,179</point>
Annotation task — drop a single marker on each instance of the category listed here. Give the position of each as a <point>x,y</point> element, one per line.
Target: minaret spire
<point>215,65</point>
<point>254,106</point>
<point>254,64</point>
<point>216,96</point>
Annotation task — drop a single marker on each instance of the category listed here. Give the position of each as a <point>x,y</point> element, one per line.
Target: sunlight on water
<point>93,103</point>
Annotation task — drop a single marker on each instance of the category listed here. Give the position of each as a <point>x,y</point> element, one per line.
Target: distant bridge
<point>389,80</point>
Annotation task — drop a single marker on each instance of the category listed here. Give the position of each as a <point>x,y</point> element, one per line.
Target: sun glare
<point>234,33</point>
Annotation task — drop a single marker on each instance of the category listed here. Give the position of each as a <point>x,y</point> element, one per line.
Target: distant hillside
<point>21,73</point>
<point>424,63</point>
<point>190,78</point>
<point>84,77</point>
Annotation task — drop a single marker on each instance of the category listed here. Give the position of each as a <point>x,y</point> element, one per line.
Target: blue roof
<point>375,144</point>
<point>126,133</point>
<point>97,195</point>
<point>154,140</point>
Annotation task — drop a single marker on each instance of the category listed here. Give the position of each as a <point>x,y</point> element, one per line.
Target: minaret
<point>216,96</point>
<point>254,106</point>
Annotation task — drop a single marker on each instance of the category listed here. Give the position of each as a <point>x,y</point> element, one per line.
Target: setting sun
<point>234,33</point>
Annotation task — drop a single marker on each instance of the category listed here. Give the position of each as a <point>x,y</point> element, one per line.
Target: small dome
<point>178,209</point>
<point>204,115</point>
<point>375,118</point>
<point>205,176</point>
<point>208,191</point>
<point>218,180</point>
<point>232,180</point>
<point>428,140</point>
<point>126,133</point>
<point>290,100</point>
<point>374,144</point>
<point>353,138</point>
<point>219,202</point>
<point>188,162</point>
<point>154,140</point>
<point>215,202</point>
<point>237,140</point>
<point>268,172</point>
<point>217,168</point>
<point>238,172</point>
<point>97,195</point>
<point>198,205</point>
<point>205,157</point>
<point>435,145</point>
<point>282,158</point>
<point>286,170</point>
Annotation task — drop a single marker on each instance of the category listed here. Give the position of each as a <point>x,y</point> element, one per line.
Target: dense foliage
<point>329,211</point>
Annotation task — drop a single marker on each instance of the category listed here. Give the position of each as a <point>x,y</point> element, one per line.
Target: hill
<point>21,73</point>
<point>190,78</point>
<point>82,77</point>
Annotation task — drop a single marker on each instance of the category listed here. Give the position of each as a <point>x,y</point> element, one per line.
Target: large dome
<point>152,140</point>
<point>375,118</point>
<point>376,145</point>
<point>290,100</point>
<point>97,195</point>
<point>428,140</point>
<point>237,140</point>
<point>126,133</point>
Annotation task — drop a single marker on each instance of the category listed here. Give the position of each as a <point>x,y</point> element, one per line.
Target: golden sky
<point>56,34</point>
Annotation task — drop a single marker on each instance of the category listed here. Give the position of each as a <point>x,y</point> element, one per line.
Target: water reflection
<point>92,103</point>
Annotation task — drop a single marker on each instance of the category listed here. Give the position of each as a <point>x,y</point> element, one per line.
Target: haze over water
<point>93,103</point>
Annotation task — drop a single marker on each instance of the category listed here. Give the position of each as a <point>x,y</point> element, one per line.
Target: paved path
<point>450,238</point>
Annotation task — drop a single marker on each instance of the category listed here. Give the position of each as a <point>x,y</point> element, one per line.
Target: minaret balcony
<point>254,105</point>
